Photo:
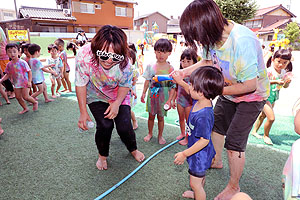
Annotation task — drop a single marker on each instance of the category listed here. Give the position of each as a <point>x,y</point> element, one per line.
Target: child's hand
<point>143,98</point>
<point>112,110</point>
<point>54,73</point>
<point>169,104</point>
<point>173,104</point>
<point>177,76</point>
<point>179,158</point>
<point>280,82</point>
<point>133,94</point>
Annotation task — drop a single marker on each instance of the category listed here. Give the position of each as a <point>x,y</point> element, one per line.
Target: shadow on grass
<point>43,156</point>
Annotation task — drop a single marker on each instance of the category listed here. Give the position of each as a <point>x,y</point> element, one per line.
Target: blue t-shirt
<point>200,124</point>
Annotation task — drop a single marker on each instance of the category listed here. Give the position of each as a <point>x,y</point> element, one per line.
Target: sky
<point>165,7</point>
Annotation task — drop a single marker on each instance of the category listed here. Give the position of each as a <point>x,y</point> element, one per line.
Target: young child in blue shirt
<point>205,84</point>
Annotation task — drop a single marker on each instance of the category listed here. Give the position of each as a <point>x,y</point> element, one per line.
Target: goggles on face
<point>104,56</point>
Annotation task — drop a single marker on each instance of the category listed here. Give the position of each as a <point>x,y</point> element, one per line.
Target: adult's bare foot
<point>147,138</point>
<point>101,163</point>
<point>216,164</point>
<point>24,111</point>
<point>139,156</point>
<point>161,140</point>
<point>256,135</point>
<point>188,194</point>
<point>227,193</point>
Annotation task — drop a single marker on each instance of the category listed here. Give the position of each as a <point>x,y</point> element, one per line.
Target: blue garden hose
<point>137,169</point>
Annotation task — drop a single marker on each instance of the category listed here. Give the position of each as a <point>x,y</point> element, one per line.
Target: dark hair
<point>142,47</point>
<point>52,46</point>
<point>11,45</point>
<point>208,80</point>
<point>110,35</point>
<point>283,54</point>
<point>33,48</point>
<point>163,45</point>
<point>189,54</point>
<point>132,55</point>
<point>202,21</point>
<point>24,46</point>
<point>132,46</point>
<point>72,46</point>
<point>59,42</point>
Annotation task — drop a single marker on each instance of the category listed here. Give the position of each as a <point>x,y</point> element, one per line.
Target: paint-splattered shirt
<point>63,56</point>
<point>18,73</point>
<point>241,59</point>
<point>57,67</point>
<point>101,85</point>
<point>37,72</point>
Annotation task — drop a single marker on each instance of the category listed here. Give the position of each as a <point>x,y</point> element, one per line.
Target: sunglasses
<point>104,56</point>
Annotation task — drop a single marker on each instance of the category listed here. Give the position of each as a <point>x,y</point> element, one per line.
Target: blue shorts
<point>197,174</point>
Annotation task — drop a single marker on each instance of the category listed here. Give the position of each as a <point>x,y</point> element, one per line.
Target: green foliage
<point>238,10</point>
<point>292,32</point>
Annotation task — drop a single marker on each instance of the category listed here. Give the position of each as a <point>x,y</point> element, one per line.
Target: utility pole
<point>16,9</point>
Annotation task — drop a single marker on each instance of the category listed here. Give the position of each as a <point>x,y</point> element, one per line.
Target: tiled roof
<point>270,28</point>
<point>126,1</point>
<point>147,15</point>
<point>267,10</point>
<point>44,13</point>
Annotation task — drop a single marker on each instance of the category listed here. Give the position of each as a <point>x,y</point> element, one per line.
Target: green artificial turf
<point>43,156</point>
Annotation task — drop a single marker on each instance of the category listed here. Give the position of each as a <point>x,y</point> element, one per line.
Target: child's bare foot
<point>139,156</point>
<point>180,136</point>
<point>161,140</point>
<point>12,96</point>
<point>188,194</point>
<point>24,111</point>
<point>184,141</point>
<point>256,135</point>
<point>268,140</point>
<point>49,100</point>
<point>53,96</point>
<point>147,138</point>
<point>63,90</point>
<point>227,193</point>
<point>216,164</point>
<point>58,93</point>
<point>135,125</point>
<point>35,106</point>
<point>68,91</point>
<point>101,163</point>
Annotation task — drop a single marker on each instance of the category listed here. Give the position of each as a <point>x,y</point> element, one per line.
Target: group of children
<point>26,72</point>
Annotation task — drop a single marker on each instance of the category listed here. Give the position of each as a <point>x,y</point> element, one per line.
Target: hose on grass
<point>137,169</point>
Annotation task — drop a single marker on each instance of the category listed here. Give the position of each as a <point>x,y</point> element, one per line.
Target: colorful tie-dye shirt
<point>158,93</point>
<point>183,98</point>
<point>57,66</point>
<point>18,73</point>
<point>63,56</point>
<point>101,85</point>
<point>37,72</point>
<point>241,59</point>
<point>3,43</point>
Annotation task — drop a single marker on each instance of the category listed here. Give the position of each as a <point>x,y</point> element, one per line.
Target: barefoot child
<point>38,72</point>
<point>58,68</point>
<point>20,74</point>
<point>66,70</point>
<point>133,97</point>
<point>159,93</point>
<point>207,82</point>
<point>184,100</point>
<point>2,92</point>
<point>279,73</point>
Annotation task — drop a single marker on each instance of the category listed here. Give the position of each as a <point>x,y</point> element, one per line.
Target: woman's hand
<point>143,98</point>
<point>84,117</point>
<point>280,82</point>
<point>179,158</point>
<point>112,110</point>
<point>177,76</point>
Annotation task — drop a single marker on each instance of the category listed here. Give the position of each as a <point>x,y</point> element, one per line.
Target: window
<point>270,37</point>
<point>56,29</point>
<point>257,23</point>
<point>92,30</point>
<point>124,12</point>
<point>6,14</point>
<point>87,8</point>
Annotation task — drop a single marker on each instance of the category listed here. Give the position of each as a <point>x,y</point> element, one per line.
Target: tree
<point>237,10</point>
<point>292,32</point>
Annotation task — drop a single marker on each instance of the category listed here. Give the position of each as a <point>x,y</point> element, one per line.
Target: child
<point>20,74</point>
<point>1,130</point>
<point>58,68</point>
<point>2,92</point>
<point>184,100</point>
<point>280,76</point>
<point>72,46</point>
<point>66,69</point>
<point>37,72</point>
<point>206,83</point>
<point>133,97</point>
<point>159,93</point>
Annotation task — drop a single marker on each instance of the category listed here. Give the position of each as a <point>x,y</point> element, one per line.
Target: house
<point>268,19</point>
<point>149,21</point>
<point>7,14</point>
<point>173,27</point>
<point>75,15</point>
